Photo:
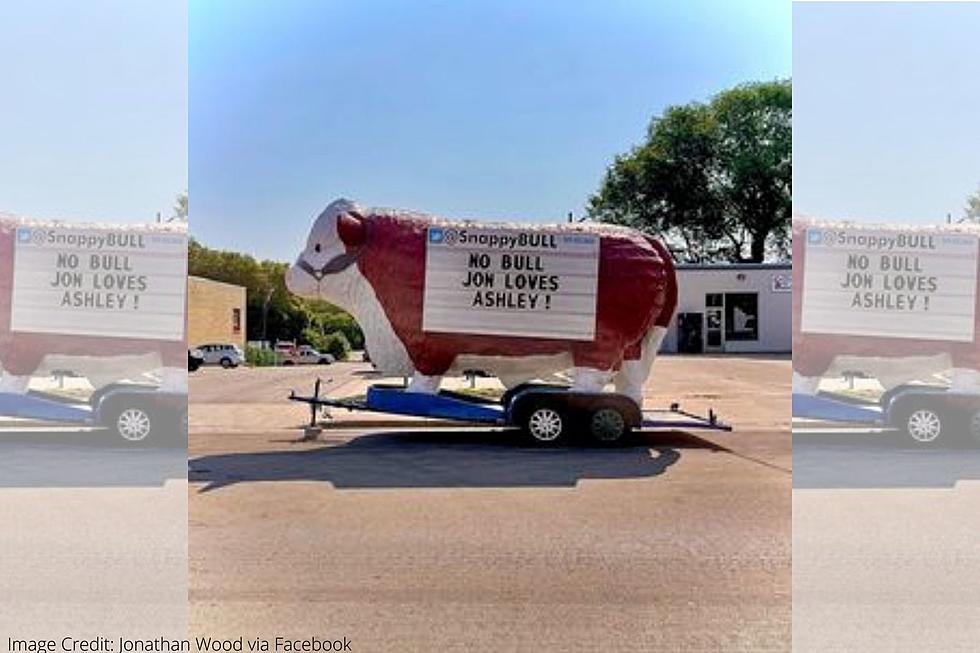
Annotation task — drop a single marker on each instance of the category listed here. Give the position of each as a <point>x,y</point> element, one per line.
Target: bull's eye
<point>316,248</point>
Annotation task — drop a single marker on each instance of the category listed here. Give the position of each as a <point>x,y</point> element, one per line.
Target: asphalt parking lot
<point>406,537</point>
<point>884,545</point>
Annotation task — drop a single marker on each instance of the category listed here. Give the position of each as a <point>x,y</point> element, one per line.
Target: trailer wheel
<point>975,427</point>
<point>924,425</point>
<point>134,423</point>
<point>545,424</point>
<point>607,425</point>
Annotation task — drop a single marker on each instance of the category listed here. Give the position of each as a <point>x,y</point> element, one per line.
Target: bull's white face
<point>320,271</point>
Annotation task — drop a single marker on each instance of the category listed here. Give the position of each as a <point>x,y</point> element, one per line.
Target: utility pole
<point>265,314</point>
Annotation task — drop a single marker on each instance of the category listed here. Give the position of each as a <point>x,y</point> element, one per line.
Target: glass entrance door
<point>714,322</point>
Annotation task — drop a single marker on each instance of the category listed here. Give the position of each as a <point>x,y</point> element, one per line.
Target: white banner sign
<point>898,284</point>
<point>511,282</point>
<point>99,282</point>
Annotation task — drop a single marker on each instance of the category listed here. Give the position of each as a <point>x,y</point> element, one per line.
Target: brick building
<point>215,313</point>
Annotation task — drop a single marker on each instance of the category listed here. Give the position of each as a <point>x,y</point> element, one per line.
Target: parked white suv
<point>224,355</point>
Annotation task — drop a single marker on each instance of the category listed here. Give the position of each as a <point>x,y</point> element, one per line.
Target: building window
<point>741,316</point>
<point>236,320</point>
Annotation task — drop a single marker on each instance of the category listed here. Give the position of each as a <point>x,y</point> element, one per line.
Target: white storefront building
<point>733,308</point>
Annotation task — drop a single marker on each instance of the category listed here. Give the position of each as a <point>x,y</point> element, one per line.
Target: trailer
<point>138,413</point>
<point>548,413</point>
<point>925,414</point>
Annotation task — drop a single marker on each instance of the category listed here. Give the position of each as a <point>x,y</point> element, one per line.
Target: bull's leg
<point>587,379</point>
<point>14,384</point>
<point>173,379</point>
<point>965,380</point>
<point>424,384</point>
<point>805,385</point>
<point>633,374</point>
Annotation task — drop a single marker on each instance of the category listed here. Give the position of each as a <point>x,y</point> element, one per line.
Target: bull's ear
<point>351,229</point>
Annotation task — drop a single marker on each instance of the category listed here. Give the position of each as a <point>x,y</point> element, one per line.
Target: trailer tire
<point>607,425</point>
<point>134,423</point>
<point>923,425</point>
<point>545,424</point>
<point>974,427</point>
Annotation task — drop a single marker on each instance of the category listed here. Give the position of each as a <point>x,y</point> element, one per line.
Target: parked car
<point>284,347</point>
<point>305,355</point>
<point>195,358</point>
<point>226,356</point>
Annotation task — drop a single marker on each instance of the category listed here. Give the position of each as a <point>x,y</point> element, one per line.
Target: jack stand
<point>311,434</point>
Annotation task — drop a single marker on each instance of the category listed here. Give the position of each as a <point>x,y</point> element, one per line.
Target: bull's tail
<point>670,304</point>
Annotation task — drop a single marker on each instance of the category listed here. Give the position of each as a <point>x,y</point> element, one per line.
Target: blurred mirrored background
<point>93,378</point>
<point>886,337</point>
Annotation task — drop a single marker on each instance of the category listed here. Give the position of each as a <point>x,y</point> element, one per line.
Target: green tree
<point>180,207</point>
<point>713,179</point>
<point>972,211</point>
<point>272,312</point>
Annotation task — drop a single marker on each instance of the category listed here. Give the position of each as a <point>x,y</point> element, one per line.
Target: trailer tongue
<point>546,412</point>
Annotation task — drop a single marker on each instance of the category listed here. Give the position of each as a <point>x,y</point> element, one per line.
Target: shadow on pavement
<point>368,374</point>
<point>445,459</point>
<point>65,458</point>
<point>878,460</point>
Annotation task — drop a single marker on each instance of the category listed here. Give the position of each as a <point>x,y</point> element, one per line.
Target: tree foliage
<point>180,209</point>
<point>287,317</point>
<point>972,211</point>
<point>713,179</point>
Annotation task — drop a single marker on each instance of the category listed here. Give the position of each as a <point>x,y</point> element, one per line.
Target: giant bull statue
<point>371,263</point>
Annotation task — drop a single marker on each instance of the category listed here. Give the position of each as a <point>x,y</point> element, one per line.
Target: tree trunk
<point>758,249</point>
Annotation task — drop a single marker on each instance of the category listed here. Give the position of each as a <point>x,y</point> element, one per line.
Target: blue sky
<point>93,113</point>
<point>885,110</point>
<point>484,109</point>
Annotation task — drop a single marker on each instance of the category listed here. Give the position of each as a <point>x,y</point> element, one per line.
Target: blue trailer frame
<point>507,411</point>
<point>41,408</point>
<point>831,408</point>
